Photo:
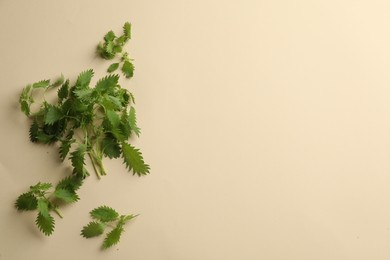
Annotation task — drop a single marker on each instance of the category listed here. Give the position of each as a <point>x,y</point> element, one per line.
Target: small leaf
<point>65,147</point>
<point>107,83</point>
<point>127,31</point>
<point>110,36</point>
<point>53,115</point>
<point>104,214</point>
<point>41,186</point>
<point>133,159</point>
<point>113,67</point>
<point>133,122</point>
<point>113,237</point>
<point>93,229</point>
<point>84,78</point>
<point>34,129</point>
<point>77,158</point>
<point>66,195</point>
<point>41,84</point>
<point>63,92</point>
<point>45,224</point>
<point>26,201</point>
<point>128,69</point>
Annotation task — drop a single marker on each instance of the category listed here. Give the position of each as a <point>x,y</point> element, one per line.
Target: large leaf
<point>134,160</point>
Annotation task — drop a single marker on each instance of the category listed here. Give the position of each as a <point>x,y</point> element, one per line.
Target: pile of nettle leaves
<point>84,121</point>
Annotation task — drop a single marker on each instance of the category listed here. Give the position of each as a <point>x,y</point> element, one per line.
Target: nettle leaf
<point>70,183</point>
<point>113,67</point>
<point>127,31</point>
<point>113,237</point>
<point>107,83</point>
<point>41,186</point>
<point>84,93</point>
<point>128,69</point>
<point>77,158</point>
<point>113,118</point>
<point>34,129</point>
<point>53,115</point>
<point>26,201</point>
<point>133,159</point>
<point>63,92</point>
<point>43,207</point>
<point>93,229</point>
<point>84,78</point>
<point>66,195</point>
<point>45,224</point>
<point>111,147</point>
<point>25,100</point>
<point>104,214</point>
<point>41,84</point>
<point>110,36</point>
<point>133,122</point>
<point>65,147</point>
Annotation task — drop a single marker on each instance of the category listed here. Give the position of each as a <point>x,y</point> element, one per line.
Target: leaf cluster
<point>104,217</point>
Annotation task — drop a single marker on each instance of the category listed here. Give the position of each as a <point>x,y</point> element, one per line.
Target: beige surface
<point>266,124</point>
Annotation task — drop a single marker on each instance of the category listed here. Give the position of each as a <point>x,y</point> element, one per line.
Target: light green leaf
<point>45,224</point>
<point>113,67</point>
<point>113,237</point>
<point>128,69</point>
<point>66,195</point>
<point>84,78</point>
<point>107,83</point>
<point>134,160</point>
<point>41,84</point>
<point>104,214</point>
<point>53,115</point>
<point>127,31</point>
<point>58,82</point>
<point>43,207</point>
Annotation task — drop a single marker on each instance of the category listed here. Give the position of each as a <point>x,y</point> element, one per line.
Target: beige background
<point>266,124</point>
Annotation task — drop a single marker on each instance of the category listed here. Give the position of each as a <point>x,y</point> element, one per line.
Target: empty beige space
<point>266,124</point>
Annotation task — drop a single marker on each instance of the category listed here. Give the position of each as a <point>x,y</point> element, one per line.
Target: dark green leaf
<point>63,92</point>
<point>26,201</point>
<point>93,229</point>
<point>77,158</point>
<point>34,129</point>
<point>104,214</point>
<point>66,195</point>
<point>45,224</point>
<point>70,183</point>
<point>65,147</point>
<point>111,147</point>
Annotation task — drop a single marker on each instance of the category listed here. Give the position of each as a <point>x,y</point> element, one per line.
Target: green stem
<point>94,165</point>
<point>58,213</point>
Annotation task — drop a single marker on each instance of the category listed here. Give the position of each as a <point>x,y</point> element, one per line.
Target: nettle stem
<point>58,212</point>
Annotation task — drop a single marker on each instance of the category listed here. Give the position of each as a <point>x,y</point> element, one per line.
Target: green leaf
<point>65,147</point>
<point>25,100</point>
<point>113,118</point>
<point>113,237</point>
<point>84,93</point>
<point>41,84</point>
<point>110,36</point>
<point>58,82</point>
<point>133,122</point>
<point>43,207</point>
<point>128,69</point>
<point>84,78</point>
<point>53,114</point>
<point>113,67</point>
<point>111,147</point>
<point>127,31</point>
<point>107,83</point>
<point>45,224</point>
<point>34,129</point>
<point>70,183</point>
<point>134,160</point>
<point>77,158</point>
<point>66,195</point>
<point>26,201</point>
<point>63,92</point>
<point>104,214</point>
<point>93,229</point>
<point>41,186</point>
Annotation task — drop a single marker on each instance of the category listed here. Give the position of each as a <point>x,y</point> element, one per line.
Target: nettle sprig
<point>85,121</point>
<point>106,217</point>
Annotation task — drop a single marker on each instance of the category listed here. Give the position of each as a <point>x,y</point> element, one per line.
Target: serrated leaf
<point>53,115</point>
<point>63,92</point>
<point>128,69</point>
<point>133,160</point>
<point>127,31</point>
<point>26,201</point>
<point>45,224</point>
<point>113,118</point>
<point>107,83</point>
<point>43,207</point>
<point>70,183</point>
<point>41,186</point>
<point>84,93</point>
<point>104,214</point>
<point>25,100</point>
<point>66,195</point>
<point>77,158</point>
<point>133,122</point>
<point>111,147</point>
<point>84,78</point>
<point>33,132</point>
<point>113,67</point>
<point>41,84</point>
<point>113,237</point>
<point>58,82</point>
<point>65,147</point>
<point>110,36</point>
<point>93,229</point>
